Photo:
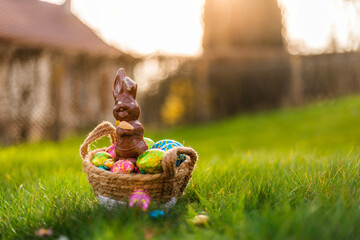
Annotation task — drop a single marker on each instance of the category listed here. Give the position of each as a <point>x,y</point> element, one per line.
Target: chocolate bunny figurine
<point>130,141</point>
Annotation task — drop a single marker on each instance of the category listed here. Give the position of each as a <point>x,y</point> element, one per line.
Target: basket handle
<point>169,158</point>
<point>103,129</point>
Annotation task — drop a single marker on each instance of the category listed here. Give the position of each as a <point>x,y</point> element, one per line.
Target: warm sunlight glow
<point>143,26</point>
<point>311,25</point>
<point>175,26</point>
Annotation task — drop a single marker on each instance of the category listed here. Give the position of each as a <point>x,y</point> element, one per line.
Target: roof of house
<point>32,22</point>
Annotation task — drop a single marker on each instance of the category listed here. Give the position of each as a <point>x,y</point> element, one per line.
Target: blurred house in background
<point>245,66</point>
<point>56,74</point>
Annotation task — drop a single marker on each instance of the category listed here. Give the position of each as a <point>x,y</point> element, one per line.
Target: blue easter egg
<point>102,167</point>
<point>180,158</point>
<point>170,146</point>
<point>156,214</point>
<point>163,142</point>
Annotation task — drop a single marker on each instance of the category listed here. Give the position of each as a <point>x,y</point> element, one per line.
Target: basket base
<point>111,204</point>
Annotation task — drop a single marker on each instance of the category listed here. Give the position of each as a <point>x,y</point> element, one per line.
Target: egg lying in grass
<point>99,158</point>
<point>180,157</point>
<point>140,198</point>
<point>149,162</point>
<point>122,166</point>
<point>156,214</point>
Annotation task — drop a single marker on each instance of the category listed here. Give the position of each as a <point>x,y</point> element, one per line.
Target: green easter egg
<point>150,161</point>
<point>99,158</point>
<point>150,143</point>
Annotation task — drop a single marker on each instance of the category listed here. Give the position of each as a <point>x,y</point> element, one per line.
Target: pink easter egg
<point>140,198</point>
<point>122,166</point>
<point>111,150</point>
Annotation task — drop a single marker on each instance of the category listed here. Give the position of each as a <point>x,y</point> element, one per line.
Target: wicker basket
<point>162,186</point>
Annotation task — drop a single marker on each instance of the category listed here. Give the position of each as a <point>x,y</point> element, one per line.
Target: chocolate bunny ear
<point>124,84</point>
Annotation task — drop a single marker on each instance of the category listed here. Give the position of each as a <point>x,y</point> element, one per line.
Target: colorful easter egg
<point>108,163</point>
<point>140,198</point>
<point>200,219</point>
<point>111,150</point>
<point>99,158</point>
<point>122,166</point>
<point>150,143</point>
<point>180,157</point>
<point>170,145</point>
<point>103,168</point>
<point>156,214</point>
<point>163,142</point>
<point>150,161</point>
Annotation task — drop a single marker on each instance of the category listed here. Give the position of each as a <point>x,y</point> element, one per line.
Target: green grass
<point>285,174</point>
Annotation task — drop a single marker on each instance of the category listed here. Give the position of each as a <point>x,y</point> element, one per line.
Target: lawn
<point>283,174</point>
